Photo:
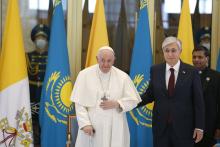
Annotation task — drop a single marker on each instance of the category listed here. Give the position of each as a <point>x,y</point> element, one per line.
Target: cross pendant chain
<point>104,98</point>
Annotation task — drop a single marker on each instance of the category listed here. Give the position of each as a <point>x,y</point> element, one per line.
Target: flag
<point>55,105</point>
<point>218,61</point>
<point>185,33</point>
<point>140,119</point>
<point>15,112</point>
<point>122,41</point>
<point>98,35</point>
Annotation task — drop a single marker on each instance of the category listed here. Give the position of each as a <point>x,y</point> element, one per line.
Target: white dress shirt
<point>176,71</point>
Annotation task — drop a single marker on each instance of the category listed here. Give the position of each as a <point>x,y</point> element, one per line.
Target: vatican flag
<point>15,113</point>
<point>185,33</point>
<point>98,35</point>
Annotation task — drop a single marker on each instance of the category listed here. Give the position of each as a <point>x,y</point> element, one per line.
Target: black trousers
<point>170,139</point>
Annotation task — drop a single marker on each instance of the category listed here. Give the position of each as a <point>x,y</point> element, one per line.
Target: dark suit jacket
<point>211,92</point>
<point>186,106</point>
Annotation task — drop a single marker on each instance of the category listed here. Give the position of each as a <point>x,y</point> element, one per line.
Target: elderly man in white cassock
<point>103,94</point>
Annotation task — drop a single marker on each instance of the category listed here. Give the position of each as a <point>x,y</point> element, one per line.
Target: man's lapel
<point>182,75</point>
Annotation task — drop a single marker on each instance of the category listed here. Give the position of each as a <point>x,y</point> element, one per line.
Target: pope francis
<point>102,94</point>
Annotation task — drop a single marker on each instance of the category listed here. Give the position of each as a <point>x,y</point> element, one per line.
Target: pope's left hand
<point>109,104</point>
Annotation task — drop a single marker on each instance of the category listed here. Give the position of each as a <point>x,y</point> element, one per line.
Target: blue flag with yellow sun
<point>140,119</point>
<point>55,102</point>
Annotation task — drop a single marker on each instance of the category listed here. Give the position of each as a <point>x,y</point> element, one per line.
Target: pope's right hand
<point>88,130</point>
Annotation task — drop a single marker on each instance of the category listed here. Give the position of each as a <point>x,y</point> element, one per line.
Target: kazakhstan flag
<point>55,99</point>
<point>140,119</point>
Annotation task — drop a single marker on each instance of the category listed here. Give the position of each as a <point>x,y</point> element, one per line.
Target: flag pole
<point>69,136</point>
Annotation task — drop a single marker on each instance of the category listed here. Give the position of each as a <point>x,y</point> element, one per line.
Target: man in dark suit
<point>211,92</point>
<point>175,88</point>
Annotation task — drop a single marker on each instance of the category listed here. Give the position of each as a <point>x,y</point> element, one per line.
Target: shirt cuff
<point>199,130</point>
<point>121,107</point>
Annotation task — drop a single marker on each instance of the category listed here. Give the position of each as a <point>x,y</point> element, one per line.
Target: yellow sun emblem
<point>62,95</point>
<point>59,104</point>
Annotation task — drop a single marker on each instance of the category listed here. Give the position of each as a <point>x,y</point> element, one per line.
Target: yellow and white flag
<point>185,33</point>
<point>15,112</point>
<point>98,35</point>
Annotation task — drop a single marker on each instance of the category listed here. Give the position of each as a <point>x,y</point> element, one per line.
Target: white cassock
<point>111,128</point>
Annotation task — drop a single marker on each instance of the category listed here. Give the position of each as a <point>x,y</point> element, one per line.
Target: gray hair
<point>105,48</point>
<point>170,40</point>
